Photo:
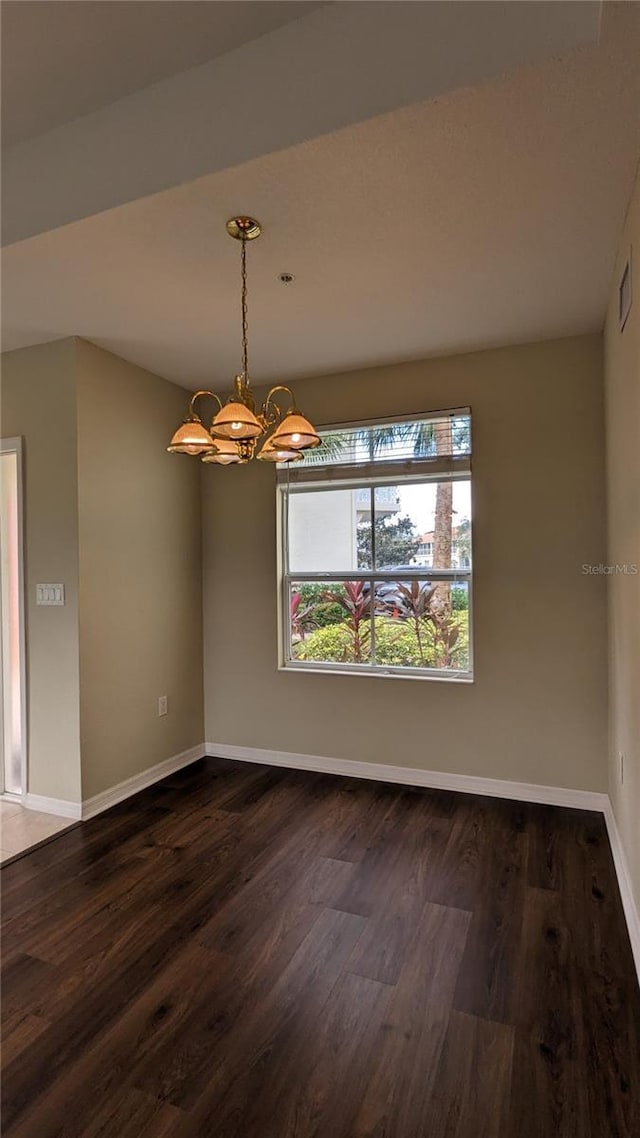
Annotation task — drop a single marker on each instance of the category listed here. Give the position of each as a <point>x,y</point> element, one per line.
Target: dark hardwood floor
<point>245,952</point>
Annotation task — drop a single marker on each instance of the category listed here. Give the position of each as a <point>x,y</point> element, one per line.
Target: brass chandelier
<point>237,430</point>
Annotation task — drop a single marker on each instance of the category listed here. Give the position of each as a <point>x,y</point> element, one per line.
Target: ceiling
<point>486,216</point>
<point>65,59</point>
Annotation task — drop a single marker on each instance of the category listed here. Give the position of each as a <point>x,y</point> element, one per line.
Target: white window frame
<point>15,446</point>
<point>386,473</point>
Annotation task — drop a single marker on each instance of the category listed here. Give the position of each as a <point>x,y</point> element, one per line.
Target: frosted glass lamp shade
<point>225,453</point>
<point>271,453</point>
<point>192,437</point>
<point>236,421</point>
<point>295,433</point>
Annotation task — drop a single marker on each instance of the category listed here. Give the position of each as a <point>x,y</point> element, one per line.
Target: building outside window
<point>376,557</point>
<point>460,547</point>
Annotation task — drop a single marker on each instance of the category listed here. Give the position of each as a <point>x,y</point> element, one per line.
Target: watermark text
<point>623,569</point>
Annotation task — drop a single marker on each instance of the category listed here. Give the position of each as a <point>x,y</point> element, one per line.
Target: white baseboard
<point>122,790</point>
<point>413,776</point>
<point>624,884</point>
<point>59,806</point>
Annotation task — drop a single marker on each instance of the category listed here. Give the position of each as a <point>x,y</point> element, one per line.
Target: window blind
<point>424,446</point>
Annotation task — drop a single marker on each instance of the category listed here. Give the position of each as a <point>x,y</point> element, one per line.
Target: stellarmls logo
<point>617,570</point>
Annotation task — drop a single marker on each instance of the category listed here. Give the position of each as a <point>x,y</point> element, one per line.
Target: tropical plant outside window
<point>376,550</point>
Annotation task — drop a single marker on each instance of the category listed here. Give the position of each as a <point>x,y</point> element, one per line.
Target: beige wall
<point>116,519</point>
<point>622,387</point>
<point>39,403</point>
<point>537,710</point>
<point>140,572</point>
<point>106,498</point>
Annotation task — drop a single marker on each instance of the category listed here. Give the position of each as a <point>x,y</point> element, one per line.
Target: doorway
<point>13,736</point>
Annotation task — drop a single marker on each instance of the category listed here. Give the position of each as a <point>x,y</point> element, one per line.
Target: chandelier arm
<point>270,402</point>
<point>197,395</point>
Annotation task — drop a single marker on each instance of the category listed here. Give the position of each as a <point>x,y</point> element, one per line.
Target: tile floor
<point>21,828</point>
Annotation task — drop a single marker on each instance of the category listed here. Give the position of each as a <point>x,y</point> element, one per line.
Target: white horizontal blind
<point>437,443</point>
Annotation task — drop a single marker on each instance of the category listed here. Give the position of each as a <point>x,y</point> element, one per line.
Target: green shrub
<point>325,612</point>
<point>396,645</point>
<point>332,643</point>
<point>310,593</point>
<point>459,599</point>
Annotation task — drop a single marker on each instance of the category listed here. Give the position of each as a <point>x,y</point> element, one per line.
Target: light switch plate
<point>49,594</point>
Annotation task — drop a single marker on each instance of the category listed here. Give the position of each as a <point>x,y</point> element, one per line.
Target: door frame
<point>15,446</point>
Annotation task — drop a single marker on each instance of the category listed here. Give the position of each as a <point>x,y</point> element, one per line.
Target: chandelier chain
<point>245,336</point>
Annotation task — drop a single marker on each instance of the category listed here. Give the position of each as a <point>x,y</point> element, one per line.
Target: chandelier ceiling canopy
<point>238,432</point>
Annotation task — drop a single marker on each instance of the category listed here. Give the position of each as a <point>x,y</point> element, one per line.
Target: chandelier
<point>238,432</point>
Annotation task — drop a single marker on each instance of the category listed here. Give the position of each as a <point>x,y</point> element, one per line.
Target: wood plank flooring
<point>246,952</point>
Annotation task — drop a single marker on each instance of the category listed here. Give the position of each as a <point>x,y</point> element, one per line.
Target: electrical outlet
<point>163,704</point>
<point>621,761</point>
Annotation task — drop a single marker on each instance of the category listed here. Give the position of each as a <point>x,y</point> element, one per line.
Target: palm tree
<point>439,437</point>
<point>443,517</point>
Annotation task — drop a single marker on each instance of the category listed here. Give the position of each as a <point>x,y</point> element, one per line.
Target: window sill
<point>379,673</point>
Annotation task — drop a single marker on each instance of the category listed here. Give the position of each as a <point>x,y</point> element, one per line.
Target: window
<point>376,553</point>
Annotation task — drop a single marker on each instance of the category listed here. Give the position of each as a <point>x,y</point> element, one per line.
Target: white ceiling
<point>337,65</point>
<point>489,215</point>
<point>64,59</point>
